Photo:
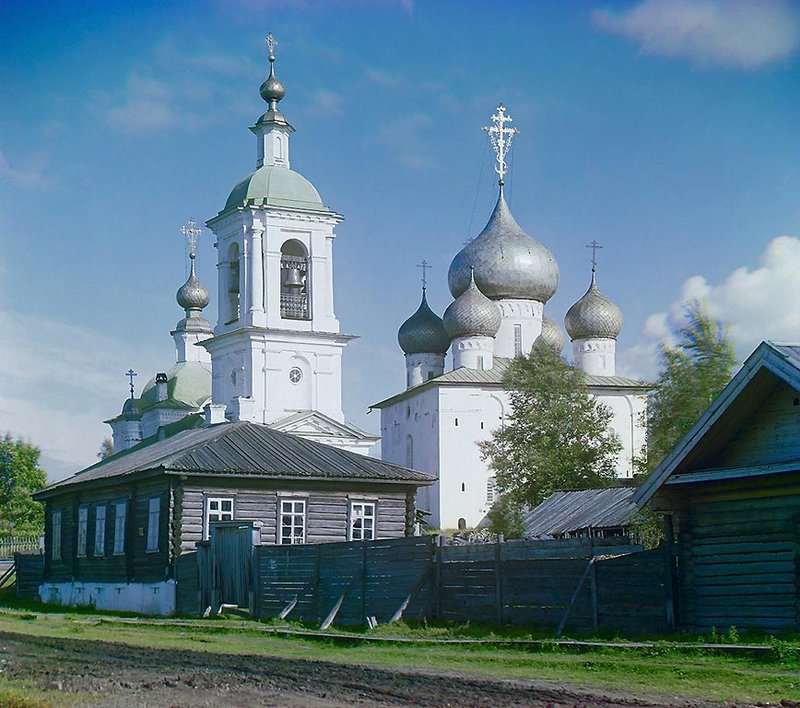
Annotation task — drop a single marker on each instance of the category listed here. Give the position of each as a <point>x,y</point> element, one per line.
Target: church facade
<point>501,281</point>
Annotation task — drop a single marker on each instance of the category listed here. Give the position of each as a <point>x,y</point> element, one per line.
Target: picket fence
<point>9,545</point>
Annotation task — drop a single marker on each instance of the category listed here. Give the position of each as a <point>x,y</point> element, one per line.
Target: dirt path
<point>123,675</point>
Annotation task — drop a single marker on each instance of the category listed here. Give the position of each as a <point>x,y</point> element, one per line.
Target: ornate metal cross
<point>131,373</point>
<point>424,265</point>
<point>271,44</point>
<point>500,137</point>
<point>191,234</point>
<point>594,246</point>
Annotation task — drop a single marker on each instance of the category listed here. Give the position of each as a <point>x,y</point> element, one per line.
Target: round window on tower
<point>295,375</point>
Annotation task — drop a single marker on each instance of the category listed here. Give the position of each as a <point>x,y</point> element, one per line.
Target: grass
<point>665,667</point>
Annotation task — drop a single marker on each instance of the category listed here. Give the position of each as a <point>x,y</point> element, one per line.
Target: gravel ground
<point>123,675</point>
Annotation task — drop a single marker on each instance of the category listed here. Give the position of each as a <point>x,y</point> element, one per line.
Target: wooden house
<point>115,531</point>
<point>731,490</point>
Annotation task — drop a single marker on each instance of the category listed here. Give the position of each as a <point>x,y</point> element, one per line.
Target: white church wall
<point>520,325</point>
<point>627,409</point>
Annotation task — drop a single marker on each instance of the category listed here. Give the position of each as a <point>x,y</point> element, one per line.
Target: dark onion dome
<point>508,263</point>
<point>131,410</point>
<point>192,295</point>
<point>423,332</point>
<point>551,334</point>
<point>272,90</point>
<point>472,313</point>
<point>594,316</point>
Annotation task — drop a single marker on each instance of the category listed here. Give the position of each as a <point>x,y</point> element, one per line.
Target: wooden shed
<point>731,489</point>
<point>115,531</point>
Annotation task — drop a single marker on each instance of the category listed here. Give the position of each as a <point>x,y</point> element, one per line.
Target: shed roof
<point>494,377</point>
<point>769,364</point>
<point>572,511</point>
<point>243,449</point>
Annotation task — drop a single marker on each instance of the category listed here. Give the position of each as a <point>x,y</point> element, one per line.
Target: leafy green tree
<point>20,476</point>
<point>506,517</point>
<point>556,436</point>
<point>693,373</point>
<point>106,448</point>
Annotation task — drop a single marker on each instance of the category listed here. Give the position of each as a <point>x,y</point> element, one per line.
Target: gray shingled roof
<point>494,377</point>
<point>571,512</point>
<point>245,449</point>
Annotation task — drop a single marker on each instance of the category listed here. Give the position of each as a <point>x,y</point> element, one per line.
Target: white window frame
<point>491,491</point>
<point>292,510</point>
<point>153,524</point>
<point>358,514</point>
<point>120,521</point>
<point>218,507</point>
<point>99,531</point>
<point>517,340</point>
<point>55,533</point>
<point>83,530</point>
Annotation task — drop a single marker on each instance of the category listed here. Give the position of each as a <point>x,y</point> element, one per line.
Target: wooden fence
<point>580,584</point>
<point>30,573</point>
<point>9,545</point>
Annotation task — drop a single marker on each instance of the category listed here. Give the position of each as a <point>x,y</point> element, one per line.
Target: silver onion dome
<point>192,295</point>
<point>472,313</point>
<point>423,332</point>
<point>551,335</point>
<point>594,316</point>
<point>508,263</point>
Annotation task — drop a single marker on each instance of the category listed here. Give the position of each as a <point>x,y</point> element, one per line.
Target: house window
<point>517,340</point>
<point>55,547</point>
<point>153,515</point>
<point>491,491</point>
<point>293,522</point>
<point>83,525</point>
<point>120,513</point>
<point>362,521</point>
<point>218,509</point>
<point>100,530</point>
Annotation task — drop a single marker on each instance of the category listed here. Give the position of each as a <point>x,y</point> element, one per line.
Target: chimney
<point>215,413</point>
<point>161,387</point>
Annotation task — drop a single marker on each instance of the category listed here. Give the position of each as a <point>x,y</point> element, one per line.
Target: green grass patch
<point>665,668</point>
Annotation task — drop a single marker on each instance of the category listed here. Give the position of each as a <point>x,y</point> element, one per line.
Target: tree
<point>506,517</point>
<point>106,448</point>
<point>556,437</point>
<point>693,373</point>
<point>20,476</point>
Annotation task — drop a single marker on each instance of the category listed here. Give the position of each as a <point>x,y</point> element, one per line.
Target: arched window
<point>233,282</point>
<point>409,451</point>
<point>294,281</point>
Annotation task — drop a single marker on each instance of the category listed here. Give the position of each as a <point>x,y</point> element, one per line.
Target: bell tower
<point>276,349</point>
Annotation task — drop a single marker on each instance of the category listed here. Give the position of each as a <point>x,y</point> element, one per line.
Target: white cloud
<point>404,136</point>
<point>33,175</point>
<point>327,103</point>
<point>757,304</point>
<point>58,382</point>
<point>147,106</point>
<point>744,34</point>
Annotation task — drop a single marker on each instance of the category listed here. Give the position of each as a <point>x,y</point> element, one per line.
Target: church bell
<point>293,278</point>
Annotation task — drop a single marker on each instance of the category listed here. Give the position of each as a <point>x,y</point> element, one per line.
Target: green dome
<point>188,385</point>
<point>275,186</point>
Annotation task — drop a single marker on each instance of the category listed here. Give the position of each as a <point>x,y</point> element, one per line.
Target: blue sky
<point>669,131</point>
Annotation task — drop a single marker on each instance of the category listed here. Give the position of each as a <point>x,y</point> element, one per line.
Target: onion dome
<point>551,334</point>
<point>192,296</point>
<point>423,332</point>
<point>272,90</point>
<point>508,263</point>
<point>594,316</point>
<point>472,313</point>
<point>131,410</point>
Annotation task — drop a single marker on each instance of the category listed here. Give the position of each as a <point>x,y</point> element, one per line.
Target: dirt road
<point>122,675</point>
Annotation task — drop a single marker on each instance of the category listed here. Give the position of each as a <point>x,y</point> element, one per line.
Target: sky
<point>666,130</point>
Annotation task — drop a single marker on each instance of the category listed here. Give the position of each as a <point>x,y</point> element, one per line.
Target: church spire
<point>272,129</point>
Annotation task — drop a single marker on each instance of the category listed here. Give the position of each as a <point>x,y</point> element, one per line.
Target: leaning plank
<point>286,610</point>
<point>328,621</point>
<point>411,595</point>
<point>578,587</point>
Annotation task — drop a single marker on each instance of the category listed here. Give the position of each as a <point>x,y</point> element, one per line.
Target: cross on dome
<point>191,233</point>
<point>500,138</point>
<point>271,44</point>
<point>130,374</point>
<point>594,245</point>
<point>424,265</point>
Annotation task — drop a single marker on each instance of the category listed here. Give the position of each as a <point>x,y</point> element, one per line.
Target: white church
<point>501,281</point>
<point>274,356</point>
